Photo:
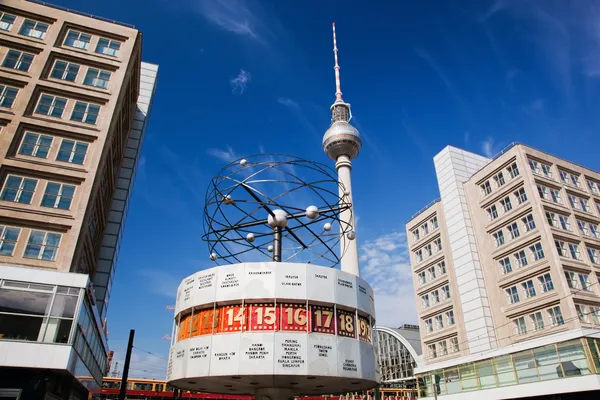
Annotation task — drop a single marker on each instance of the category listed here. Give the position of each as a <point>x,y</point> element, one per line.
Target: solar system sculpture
<point>275,318</point>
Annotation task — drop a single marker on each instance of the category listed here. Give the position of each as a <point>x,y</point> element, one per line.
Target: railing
<point>43,3</point>
<point>424,208</point>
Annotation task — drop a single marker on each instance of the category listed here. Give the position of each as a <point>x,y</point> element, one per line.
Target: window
<point>572,280</point>
<point>584,280</point>
<point>431,273</point>
<point>528,288</point>
<point>535,167</point>
<point>450,317</point>
<point>42,245</point>
<point>573,202</point>
<point>520,258</point>
<point>593,186</point>
<point>66,71</point>
<point>77,39</point>
<point>564,222</point>
<point>585,205</point>
<point>425,301</point>
<point>33,29</point>
<point>439,321</point>
<point>432,351</point>
<point>528,222</point>
<point>555,193</point>
<point>18,189</point>
<point>546,282</point>
<point>435,297</point>
<point>582,313</point>
<point>486,188</point>
<point>443,348</point>
<point>437,244</point>
<point>96,77</point>
<point>537,251</point>
<point>561,248</point>
<point>445,292</point>
<point>564,177</point>
<point>499,179</point>
<point>546,170</point>
<point>419,255</point>
<point>425,228</point>
<point>498,238</point>
<point>543,192</point>
<point>520,326</point>
<point>72,151</point>
<point>513,230</point>
<point>85,112</point>
<point>594,230</point>
<point>35,145</point>
<point>428,251</point>
<point>555,315</point>
<point>434,222</point>
<point>416,234</point>
<point>8,239</point>
<point>505,204</point>
<point>593,255</point>
<point>454,344</point>
<point>512,170</point>
<point>492,212</point>
<point>512,294</point>
<point>58,195</point>
<point>6,21</point>
<point>422,278</point>
<point>441,268</point>
<point>8,95</point>
<point>575,180</point>
<point>595,313</point>
<point>108,47</point>
<point>18,60</point>
<point>52,106</point>
<point>574,251</point>
<point>551,218</point>
<point>505,266</point>
<point>582,227</point>
<point>521,196</point>
<point>428,325</point>
<point>537,321</point>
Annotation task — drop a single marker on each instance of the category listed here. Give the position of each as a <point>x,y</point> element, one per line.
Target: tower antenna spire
<point>338,85</point>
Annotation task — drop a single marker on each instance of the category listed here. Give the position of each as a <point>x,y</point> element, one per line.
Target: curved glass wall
<point>396,364</point>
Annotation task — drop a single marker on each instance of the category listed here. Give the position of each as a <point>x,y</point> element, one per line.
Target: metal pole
<point>126,366</point>
<point>434,384</point>
<point>277,237</point>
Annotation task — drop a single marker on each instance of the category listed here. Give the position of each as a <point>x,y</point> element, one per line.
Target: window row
<point>499,179</point>
<point>443,347</point>
<point>571,250</point>
<point>41,245</point>
<point>429,250</point>
<point>527,289</point>
<point>68,71</point>
<point>79,40</point>
<point>520,259</point>
<point>20,189</point>
<point>435,296</point>
<point>506,204</point>
<point>588,313</point>
<point>568,178</point>
<point>423,230</point>
<point>439,321</point>
<point>536,322</point>
<point>578,281</point>
<point>513,230</point>
<point>41,146</point>
<point>432,273</point>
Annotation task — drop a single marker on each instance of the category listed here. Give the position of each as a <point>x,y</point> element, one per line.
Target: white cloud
<point>231,15</point>
<point>286,101</point>
<point>161,283</point>
<point>227,155</point>
<point>295,108</point>
<point>240,83</point>
<point>487,147</point>
<point>385,265</point>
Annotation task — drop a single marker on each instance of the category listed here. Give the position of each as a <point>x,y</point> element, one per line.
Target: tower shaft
<point>348,247</point>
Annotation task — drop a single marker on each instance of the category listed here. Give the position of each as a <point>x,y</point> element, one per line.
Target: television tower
<point>342,144</point>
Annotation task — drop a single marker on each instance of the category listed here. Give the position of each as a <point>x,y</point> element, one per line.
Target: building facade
<point>520,239</point>
<point>74,101</point>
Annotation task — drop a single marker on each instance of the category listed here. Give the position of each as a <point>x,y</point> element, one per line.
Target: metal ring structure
<point>246,192</point>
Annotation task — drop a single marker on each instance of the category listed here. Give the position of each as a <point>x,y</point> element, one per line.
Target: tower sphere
<point>341,139</point>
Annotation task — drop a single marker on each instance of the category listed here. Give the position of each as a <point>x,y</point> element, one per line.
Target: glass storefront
<point>562,360</point>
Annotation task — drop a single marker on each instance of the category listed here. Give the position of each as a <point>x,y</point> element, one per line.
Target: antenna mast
<point>338,85</point>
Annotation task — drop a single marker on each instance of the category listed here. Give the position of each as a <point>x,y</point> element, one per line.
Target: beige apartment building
<point>74,101</point>
<point>506,267</point>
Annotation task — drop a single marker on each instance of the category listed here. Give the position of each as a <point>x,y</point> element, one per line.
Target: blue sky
<point>239,77</point>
